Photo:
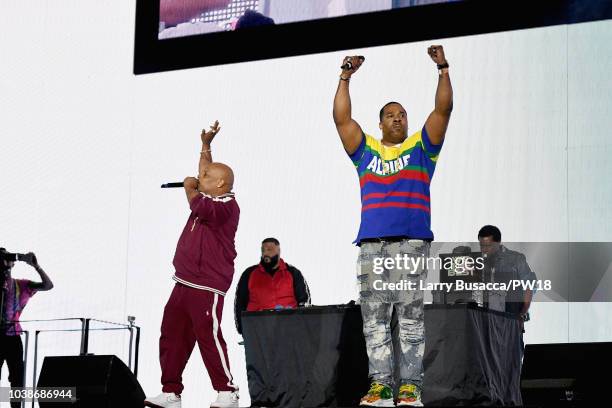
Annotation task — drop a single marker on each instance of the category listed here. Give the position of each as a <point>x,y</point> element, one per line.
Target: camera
<point>7,256</point>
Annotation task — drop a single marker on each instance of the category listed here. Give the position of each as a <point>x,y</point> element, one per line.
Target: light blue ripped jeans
<point>378,303</point>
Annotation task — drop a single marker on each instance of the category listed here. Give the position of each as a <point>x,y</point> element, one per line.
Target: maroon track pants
<point>193,315</point>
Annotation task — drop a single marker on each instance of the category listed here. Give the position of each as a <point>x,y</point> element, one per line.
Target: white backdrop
<point>86,146</point>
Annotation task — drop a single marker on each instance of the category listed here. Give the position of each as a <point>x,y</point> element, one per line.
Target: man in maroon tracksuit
<point>204,264</point>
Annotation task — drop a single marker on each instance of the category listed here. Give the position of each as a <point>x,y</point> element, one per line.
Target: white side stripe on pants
<point>219,349</point>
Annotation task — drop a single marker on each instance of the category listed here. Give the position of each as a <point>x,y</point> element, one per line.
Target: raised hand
<point>31,260</point>
<point>208,136</point>
<point>436,52</point>
<point>355,61</point>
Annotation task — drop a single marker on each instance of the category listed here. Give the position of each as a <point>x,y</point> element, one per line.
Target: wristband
<point>345,79</point>
<point>445,65</point>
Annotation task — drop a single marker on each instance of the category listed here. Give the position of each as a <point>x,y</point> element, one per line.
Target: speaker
<point>566,374</point>
<point>100,382</point>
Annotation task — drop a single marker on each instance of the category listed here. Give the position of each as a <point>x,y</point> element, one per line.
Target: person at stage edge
<point>507,265</point>
<point>271,284</point>
<point>204,264</point>
<point>394,175</point>
<point>14,297</point>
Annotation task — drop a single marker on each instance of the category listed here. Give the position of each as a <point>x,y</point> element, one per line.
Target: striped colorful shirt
<point>394,182</point>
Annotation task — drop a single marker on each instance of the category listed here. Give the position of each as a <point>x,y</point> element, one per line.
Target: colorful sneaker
<point>164,400</point>
<point>380,395</point>
<point>409,396</point>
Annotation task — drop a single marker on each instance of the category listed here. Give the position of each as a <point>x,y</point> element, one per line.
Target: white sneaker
<point>164,400</point>
<point>226,399</point>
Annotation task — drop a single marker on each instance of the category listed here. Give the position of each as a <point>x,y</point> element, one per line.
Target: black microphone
<point>172,185</point>
<point>349,64</point>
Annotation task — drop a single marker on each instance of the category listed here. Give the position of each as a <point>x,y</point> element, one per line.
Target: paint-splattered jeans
<point>378,302</point>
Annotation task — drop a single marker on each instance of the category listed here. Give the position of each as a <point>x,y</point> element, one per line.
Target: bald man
<point>204,264</point>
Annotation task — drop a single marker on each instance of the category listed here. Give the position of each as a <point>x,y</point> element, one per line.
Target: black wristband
<point>445,65</point>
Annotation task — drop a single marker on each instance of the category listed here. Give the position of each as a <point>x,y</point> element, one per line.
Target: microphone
<point>172,185</point>
<point>349,64</point>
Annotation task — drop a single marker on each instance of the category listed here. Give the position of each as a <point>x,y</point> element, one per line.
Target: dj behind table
<point>316,356</point>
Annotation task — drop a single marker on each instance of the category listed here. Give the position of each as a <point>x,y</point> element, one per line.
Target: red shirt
<point>268,291</point>
<point>261,290</point>
<point>205,252</point>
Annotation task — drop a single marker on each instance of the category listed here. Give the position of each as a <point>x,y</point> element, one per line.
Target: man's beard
<point>269,266</point>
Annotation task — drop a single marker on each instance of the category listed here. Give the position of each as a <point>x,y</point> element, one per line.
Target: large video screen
<point>180,34</point>
<point>179,18</point>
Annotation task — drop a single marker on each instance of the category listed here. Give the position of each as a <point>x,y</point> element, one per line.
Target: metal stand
<point>25,358</point>
<point>131,320</point>
<point>36,333</point>
<point>84,336</point>
<point>84,347</point>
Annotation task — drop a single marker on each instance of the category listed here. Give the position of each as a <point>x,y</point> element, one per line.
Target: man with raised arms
<point>394,175</point>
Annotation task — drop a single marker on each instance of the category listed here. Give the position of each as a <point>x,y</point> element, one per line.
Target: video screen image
<point>180,18</point>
